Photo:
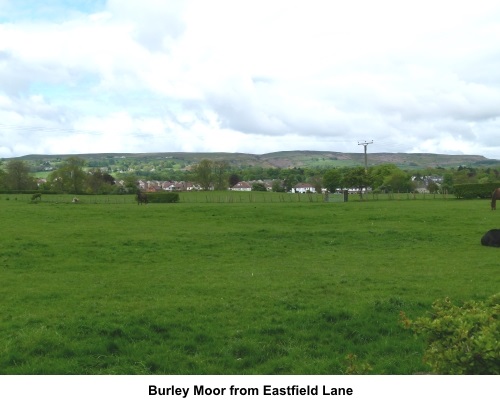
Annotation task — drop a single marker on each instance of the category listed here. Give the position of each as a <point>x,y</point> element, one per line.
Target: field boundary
<point>231,197</point>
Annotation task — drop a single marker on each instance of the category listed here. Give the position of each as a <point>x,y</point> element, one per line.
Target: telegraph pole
<point>365,144</point>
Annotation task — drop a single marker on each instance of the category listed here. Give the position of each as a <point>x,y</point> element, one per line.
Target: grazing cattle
<point>141,198</point>
<point>494,196</point>
<point>491,238</point>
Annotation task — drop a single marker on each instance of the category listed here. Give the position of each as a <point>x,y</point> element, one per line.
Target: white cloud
<point>259,76</point>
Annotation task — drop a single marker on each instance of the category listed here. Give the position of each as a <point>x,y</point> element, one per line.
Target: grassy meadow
<point>225,284</point>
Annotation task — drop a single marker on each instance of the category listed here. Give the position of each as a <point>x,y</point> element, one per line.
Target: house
<point>153,188</point>
<point>303,188</point>
<point>426,180</point>
<point>169,186</point>
<point>242,186</point>
<point>268,184</point>
<point>356,190</point>
<point>156,185</point>
<point>191,187</point>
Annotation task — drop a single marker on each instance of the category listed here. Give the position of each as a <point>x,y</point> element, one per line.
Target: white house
<point>303,188</point>
<point>191,186</point>
<point>242,186</point>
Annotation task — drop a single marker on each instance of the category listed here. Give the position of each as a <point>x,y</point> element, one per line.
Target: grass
<point>213,287</point>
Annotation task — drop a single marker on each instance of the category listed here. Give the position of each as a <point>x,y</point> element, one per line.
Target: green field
<point>223,284</point>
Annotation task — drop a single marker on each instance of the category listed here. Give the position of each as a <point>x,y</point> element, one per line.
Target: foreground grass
<point>253,288</point>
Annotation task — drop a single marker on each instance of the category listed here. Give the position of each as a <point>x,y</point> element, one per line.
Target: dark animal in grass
<point>494,197</point>
<point>141,198</point>
<point>491,238</point>
<point>36,197</point>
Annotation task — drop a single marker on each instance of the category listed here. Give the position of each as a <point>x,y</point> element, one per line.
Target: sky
<point>259,76</point>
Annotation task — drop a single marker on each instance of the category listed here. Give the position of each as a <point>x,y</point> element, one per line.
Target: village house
<point>40,182</point>
<point>242,186</point>
<point>303,188</point>
<point>169,186</point>
<point>152,186</point>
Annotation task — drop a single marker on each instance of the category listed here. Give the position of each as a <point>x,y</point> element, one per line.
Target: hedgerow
<point>163,197</point>
<point>474,190</point>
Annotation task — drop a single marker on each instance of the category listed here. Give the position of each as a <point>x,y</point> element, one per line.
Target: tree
<point>380,173</point>
<point>464,175</point>
<point>17,176</point>
<point>129,184</point>
<point>234,179</point>
<point>203,174</point>
<point>220,176</point>
<point>259,187</point>
<point>398,180</point>
<point>290,181</point>
<point>99,182</point>
<point>432,187</point>
<point>447,184</point>
<point>2,178</point>
<point>357,178</point>
<point>69,177</point>
<point>277,186</point>
<point>273,172</point>
<point>317,183</point>
<point>332,180</point>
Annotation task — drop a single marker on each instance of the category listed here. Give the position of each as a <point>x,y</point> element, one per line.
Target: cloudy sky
<point>251,76</point>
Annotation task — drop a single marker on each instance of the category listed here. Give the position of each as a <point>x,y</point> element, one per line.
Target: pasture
<point>221,286</point>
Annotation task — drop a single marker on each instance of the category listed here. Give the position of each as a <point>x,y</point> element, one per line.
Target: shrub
<point>354,367</point>
<point>163,197</point>
<point>475,190</point>
<point>461,340</point>
<point>259,187</point>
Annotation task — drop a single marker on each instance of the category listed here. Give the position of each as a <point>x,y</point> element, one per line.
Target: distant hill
<point>403,160</point>
<point>286,159</point>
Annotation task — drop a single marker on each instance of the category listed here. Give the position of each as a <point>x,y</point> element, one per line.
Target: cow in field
<point>491,238</point>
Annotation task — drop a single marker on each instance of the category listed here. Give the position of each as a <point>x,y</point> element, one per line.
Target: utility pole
<point>365,144</point>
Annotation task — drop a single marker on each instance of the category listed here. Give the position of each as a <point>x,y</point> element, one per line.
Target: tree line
<point>73,175</point>
<point>69,177</point>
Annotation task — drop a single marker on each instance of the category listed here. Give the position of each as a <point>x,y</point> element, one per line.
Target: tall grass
<point>110,287</point>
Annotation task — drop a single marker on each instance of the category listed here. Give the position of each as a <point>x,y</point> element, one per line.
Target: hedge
<point>26,192</point>
<point>475,190</point>
<point>163,197</point>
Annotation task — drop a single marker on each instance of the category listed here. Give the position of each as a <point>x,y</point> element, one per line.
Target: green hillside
<point>285,159</point>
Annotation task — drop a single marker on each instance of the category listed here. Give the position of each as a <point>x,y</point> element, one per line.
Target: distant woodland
<point>120,173</point>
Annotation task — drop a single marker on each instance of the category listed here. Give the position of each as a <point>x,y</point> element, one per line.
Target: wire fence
<point>229,197</point>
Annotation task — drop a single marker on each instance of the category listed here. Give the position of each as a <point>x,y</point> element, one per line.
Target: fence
<point>232,197</point>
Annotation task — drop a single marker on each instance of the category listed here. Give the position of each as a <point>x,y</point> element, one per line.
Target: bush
<point>259,187</point>
<point>354,367</point>
<point>461,340</point>
<point>475,190</point>
<point>25,192</point>
<point>163,197</point>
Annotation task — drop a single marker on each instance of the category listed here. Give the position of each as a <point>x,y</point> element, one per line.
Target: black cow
<point>491,238</point>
